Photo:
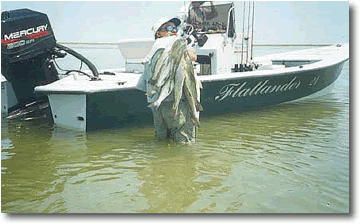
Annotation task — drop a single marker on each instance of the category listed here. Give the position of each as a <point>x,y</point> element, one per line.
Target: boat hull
<point>129,107</point>
<point>117,109</point>
<point>114,101</point>
<point>265,91</point>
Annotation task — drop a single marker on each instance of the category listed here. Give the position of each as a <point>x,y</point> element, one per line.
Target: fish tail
<point>196,122</point>
<point>154,105</point>
<point>151,93</point>
<point>175,109</point>
<point>199,107</point>
<point>152,82</point>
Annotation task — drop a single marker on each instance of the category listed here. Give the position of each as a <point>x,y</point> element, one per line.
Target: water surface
<point>292,158</point>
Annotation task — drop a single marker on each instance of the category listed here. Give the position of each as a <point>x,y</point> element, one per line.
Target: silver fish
<point>160,64</point>
<point>150,93</point>
<point>165,91</point>
<point>168,63</point>
<point>178,49</point>
<point>182,73</point>
<point>178,88</point>
<point>192,105</point>
<point>174,73</point>
<point>189,88</point>
<point>165,73</point>
<point>192,84</point>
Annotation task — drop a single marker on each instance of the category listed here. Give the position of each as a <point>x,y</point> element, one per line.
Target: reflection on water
<point>287,159</point>
<point>290,158</point>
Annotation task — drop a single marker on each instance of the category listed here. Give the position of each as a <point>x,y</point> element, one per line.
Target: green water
<point>292,158</point>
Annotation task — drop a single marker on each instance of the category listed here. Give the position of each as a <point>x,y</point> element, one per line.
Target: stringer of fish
<point>174,73</point>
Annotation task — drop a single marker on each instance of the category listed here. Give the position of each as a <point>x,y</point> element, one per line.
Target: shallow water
<point>292,158</point>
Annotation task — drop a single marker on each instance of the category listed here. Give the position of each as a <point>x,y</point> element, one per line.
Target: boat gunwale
<point>203,79</point>
<point>323,63</point>
<point>274,72</point>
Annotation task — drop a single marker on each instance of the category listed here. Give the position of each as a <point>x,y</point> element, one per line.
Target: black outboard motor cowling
<point>27,44</point>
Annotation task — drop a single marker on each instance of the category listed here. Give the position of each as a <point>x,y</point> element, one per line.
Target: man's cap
<point>200,2</point>
<point>176,21</point>
<point>164,20</point>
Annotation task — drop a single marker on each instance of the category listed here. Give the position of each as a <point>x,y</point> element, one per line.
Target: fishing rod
<point>248,36</point>
<point>242,42</point>
<point>252,34</point>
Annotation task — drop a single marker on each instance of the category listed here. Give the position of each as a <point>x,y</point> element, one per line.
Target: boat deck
<point>282,63</point>
<point>328,54</point>
<point>76,83</point>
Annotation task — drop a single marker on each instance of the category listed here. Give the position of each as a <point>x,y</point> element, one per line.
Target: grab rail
<point>228,22</point>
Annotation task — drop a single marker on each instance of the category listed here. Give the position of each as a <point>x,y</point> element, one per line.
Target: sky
<point>110,21</point>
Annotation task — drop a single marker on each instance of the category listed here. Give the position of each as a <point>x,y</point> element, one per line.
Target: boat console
<point>215,41</point>
<point>214,45</point>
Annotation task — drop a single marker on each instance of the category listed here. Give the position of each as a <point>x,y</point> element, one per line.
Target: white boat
<point>110,99</point>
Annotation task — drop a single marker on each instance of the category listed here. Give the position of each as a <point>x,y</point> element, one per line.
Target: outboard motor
<point>27,44</point>
<point>28,52</point>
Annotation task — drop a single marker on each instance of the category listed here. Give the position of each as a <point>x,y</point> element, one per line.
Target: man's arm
<point>213,13</point>
<point>148,71</point>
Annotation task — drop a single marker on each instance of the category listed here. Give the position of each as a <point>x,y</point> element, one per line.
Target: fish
<point>180,72</point>
<point>168,63</point>
<point>178,88</point>
<point>165,91</point>
<point>150,93</point>
<point>192,84</point>
<point>191,105</point>
<point>177,51</point>
<point>189,88</point>
<point>165,74</point>
<point>163,64</point>
<point>160,64</point>
<point>162,45</point>
<point>174,73</point>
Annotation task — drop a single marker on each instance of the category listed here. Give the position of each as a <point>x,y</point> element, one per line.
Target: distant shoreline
<point>291,45</point>
<point>261,45</point>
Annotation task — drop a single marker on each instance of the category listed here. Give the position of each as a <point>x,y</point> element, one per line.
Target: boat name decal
<point>262,87</point>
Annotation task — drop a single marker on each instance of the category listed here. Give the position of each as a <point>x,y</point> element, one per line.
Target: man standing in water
<point>170,84</point>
